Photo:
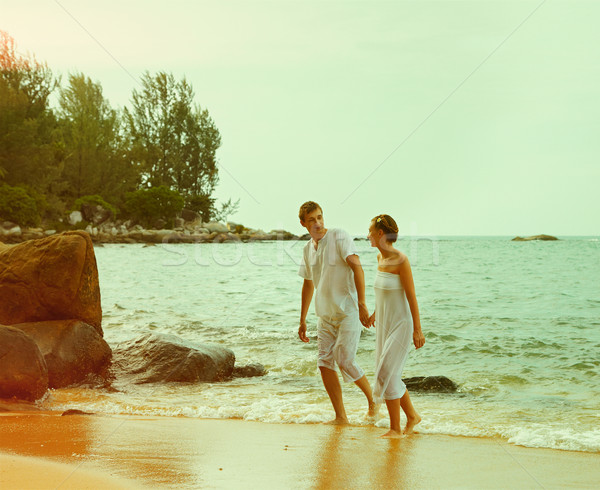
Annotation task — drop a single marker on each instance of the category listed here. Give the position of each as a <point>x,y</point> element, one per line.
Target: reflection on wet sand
<point>196,453</point>
<point>347,454</point>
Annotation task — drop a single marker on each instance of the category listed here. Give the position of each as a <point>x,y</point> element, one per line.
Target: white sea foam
<point>566,438</point>
<point>279,410</point>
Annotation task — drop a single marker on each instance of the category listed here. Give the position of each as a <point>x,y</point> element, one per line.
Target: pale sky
<point>490,110</point>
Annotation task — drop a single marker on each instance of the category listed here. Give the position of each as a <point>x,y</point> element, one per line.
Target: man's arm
<point>308,289</point>
<point>359,280</point>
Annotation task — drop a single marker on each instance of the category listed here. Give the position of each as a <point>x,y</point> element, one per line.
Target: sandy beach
<point>46,450</point>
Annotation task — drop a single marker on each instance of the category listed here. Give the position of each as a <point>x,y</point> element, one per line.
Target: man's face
<point>314,223</point>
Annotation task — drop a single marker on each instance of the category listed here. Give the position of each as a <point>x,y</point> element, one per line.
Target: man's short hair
<point>308,207</point>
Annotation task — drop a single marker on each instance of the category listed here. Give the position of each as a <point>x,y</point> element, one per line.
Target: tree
<point>147,206</point>
<point>94,163</point>
<point>172,139</point>
<point>21,205</point>
<point>28,150</point>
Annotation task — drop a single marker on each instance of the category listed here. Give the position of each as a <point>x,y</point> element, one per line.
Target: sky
<point>454,117</point>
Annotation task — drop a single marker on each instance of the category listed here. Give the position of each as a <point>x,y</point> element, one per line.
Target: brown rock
<point>249,371</point>
<point>73,350</point>
<point>23,372</point>
<point>74,411</point>
<point>535,237</point>
<point>53,278</point>
<point>154,358</point>
<point>439,384</point>
<point>189,215</point>
<point>95,214</point>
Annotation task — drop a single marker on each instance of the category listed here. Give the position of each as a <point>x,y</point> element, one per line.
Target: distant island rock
<point>534,237</point>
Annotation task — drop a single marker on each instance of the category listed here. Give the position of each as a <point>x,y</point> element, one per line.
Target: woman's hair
<point>387,224</point>
<point>308,207</point>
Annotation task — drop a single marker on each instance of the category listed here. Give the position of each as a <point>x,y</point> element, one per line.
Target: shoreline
<point>157,237</point>
<point>223,453</point>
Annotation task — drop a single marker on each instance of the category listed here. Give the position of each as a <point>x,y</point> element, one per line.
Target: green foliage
<point>95,200</point>
<point>20,205</point>
<point>227,209</point>
<point>93,162</point>
<point>28,139</point>
<point>201,204</point>
<point>206,207</point>
<point>149,205</point>
<point>84,147</point>
<point>171,139</point>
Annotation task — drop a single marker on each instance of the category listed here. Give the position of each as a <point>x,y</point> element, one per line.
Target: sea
<point>516,325</point>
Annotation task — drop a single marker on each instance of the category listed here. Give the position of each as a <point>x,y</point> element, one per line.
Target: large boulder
<point>23,372</point>
<point>73,350</point>
<point>53,278</point>
<point>154,358</point>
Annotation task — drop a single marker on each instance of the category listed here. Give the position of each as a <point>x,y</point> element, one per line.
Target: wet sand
<point>88,451</point>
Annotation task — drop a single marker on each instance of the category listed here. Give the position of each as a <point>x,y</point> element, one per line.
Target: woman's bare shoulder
<point>399,257</point>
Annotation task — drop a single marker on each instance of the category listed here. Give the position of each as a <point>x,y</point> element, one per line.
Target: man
<point>331,266</point>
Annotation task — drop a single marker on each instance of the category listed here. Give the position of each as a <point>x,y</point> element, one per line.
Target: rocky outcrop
<point>94,213</point>
<point>439,384</point>
<point>72,350</point>
<point>249,371</point>
<point>154,358</point>
<point>215,226</point>
<point>53,278</point>
<point>534,237</point>
<point>23,372</point>
<point>10,229</point>
<point>190,229</point>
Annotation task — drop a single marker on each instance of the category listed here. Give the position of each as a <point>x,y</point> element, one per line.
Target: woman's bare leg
<point>393,407</point>
<point>412,417</point>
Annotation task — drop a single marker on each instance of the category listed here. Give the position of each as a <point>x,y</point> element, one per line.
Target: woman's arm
<point>406,277</point>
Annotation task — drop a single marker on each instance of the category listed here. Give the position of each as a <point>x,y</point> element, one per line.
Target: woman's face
<point>374,235</point>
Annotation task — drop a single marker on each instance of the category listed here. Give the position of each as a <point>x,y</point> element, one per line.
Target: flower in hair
<point>378,220</point>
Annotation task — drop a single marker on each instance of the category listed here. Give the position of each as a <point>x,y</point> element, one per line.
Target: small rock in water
<point>535,237</point>
<point>439,384</point>
<point>249,371</point>
<point>74,411</point>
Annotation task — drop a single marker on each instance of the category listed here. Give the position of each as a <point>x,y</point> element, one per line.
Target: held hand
<point>418,339</point>
<point>371,322</point>
<point>363,314</point>
<point>302,332</point>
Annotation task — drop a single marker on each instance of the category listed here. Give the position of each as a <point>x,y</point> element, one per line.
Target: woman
<point>396,318</point>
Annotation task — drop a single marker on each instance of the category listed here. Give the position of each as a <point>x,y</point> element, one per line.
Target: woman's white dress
<point>394,327</point>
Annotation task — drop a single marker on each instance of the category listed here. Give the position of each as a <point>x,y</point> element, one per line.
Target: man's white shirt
<point>335,290</point>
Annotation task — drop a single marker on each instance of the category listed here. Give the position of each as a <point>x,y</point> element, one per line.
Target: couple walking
<point>330,265</point>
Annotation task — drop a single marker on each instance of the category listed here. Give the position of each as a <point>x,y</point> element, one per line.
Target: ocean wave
<point>293,409</point>
<point>544,437</point>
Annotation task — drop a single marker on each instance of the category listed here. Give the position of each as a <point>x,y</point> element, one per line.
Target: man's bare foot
<point>392,434</point>
<point>410,425</point>
<point>338,421</point>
